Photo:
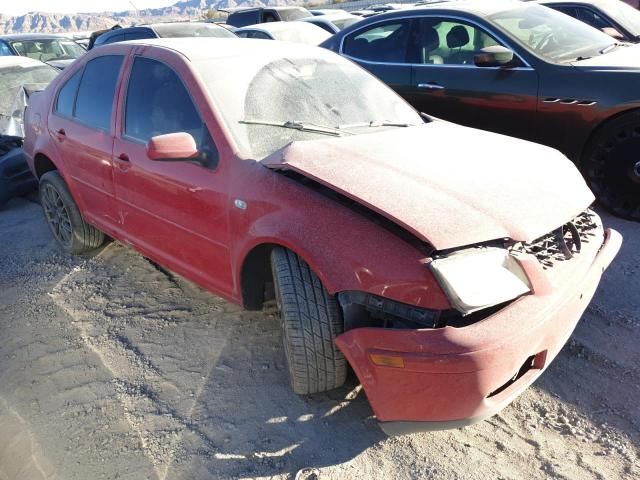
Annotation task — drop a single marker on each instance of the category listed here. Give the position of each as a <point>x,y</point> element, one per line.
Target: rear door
<point>174,211</point>
<point>446,83</point>
<point>81,125</point>
<point>382,48</point>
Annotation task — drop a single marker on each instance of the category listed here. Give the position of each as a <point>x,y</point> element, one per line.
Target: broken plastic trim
<point>360,309</point>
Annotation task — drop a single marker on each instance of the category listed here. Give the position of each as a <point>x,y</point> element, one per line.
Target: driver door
<point>173,211</point>
<point>446,83</point>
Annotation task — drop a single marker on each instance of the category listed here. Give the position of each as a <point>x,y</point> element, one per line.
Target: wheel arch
<point>43,164</point>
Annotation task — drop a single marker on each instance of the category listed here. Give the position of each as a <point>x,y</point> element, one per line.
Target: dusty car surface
<point>20,77</point>
<point>520,69</point>
<point>296,32</point>
<point>443,268</point>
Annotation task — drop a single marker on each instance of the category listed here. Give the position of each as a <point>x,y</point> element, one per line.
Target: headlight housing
<point>480,277</point>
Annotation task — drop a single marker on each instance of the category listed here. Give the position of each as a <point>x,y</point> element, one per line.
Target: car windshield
<point>295,13</point>
<point>624,14</point>
<point>344,22</point>
<point>49,49</point>
<point>271,100</point>
<point>552,35</point>
<point>179,30</point>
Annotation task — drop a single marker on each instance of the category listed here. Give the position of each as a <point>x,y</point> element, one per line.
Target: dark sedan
<point>613,17</point>
<point>55,50</point>
<point>520,69</point>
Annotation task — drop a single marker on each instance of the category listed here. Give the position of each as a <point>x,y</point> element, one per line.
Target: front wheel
<point>611,166</point>
<point>68,227</point>
<point>311,321</point>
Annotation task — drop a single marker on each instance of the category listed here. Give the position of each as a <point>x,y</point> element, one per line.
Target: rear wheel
<point>611,165</point>
<point>311,320</point>
<point>68,227</point>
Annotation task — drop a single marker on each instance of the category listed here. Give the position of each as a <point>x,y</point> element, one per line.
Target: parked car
<point>519,69</point>
<point>19,78</point>
<point>54,50</point>
<point>332,23</point>
<point>296,32</point>
<point>241,17</point>
<point>613,17</point>
<point>445,264</point>
<point>81,38</point>
<point>163,30</point>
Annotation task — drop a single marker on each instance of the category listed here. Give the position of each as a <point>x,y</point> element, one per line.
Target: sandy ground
<point>113,368</point>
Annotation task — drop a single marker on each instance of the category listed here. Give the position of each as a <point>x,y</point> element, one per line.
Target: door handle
<point>431,86</point>
<point>122,162</point>
<point>123,157</point>
<point>61,134</point>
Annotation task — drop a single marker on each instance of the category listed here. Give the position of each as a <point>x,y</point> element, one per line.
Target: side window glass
<point>382,43</point>
<point>96,91</point>
<point>448,42</point>
<point>138,35</point>
<point>67,95</point>
<point>592,18</point>
<point>567,11</point>
<point>4,49</point>
<point>158,103</point>
<point>114,39</point>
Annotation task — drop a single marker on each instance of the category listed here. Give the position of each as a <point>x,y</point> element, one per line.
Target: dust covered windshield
<point>46,50</point>
<point>270,100</point>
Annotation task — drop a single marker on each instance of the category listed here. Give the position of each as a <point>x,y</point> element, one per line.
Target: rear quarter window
<point>97,88</point>
<point>67,95</point>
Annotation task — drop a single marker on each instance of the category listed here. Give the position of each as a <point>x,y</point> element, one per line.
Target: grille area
<point>564,243</point>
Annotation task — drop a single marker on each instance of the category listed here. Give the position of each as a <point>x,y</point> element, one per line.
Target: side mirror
<point>612,32</point>
<point>496,56</point>
<point>172,146</point>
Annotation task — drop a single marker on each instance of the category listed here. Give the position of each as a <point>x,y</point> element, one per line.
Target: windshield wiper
<point>610,47</point>
<point>300,126</point>
<point>376,123</point>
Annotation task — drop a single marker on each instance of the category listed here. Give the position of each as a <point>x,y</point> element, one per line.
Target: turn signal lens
<point>387,360</point>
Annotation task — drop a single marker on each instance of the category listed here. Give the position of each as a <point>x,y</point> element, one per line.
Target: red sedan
<point>447,265</point>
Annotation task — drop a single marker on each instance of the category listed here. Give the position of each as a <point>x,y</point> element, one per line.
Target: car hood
<point>449,185</point>
<point>622,58</point>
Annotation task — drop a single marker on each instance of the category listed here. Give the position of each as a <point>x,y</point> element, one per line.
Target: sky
<point>18,7</point>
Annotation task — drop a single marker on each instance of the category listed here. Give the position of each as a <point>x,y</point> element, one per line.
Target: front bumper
<point>452,377</point>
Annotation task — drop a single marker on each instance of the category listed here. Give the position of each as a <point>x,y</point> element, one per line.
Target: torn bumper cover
<point>433,379</point>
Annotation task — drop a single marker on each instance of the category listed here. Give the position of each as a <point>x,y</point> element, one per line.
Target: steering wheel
<point>546,42</point>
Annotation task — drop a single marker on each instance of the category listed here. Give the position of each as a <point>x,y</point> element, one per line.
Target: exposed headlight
<point>480,277</point>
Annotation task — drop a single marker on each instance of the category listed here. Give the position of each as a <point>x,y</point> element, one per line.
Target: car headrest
<point>430,39</point>
<point>457,37</point>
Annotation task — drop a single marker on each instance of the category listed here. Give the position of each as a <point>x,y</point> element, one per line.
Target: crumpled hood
<point>449,185</point>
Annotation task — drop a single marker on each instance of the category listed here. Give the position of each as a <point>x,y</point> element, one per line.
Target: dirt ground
<point>112,368</point>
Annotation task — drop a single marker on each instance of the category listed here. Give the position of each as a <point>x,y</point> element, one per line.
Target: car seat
<point>429,41</point>
<point>457,38</point>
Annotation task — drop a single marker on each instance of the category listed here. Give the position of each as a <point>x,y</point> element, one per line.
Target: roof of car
<point>14,60</point>
<point>477,7</point>
<point>201,48</point>
<point>30,36</point>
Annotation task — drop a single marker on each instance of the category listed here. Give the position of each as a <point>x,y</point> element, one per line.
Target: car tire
<point>311,320</point>
<point>611,165</point>
<point>70,230</point>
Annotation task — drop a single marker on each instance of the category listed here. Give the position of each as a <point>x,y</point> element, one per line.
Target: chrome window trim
<point>444,17</point>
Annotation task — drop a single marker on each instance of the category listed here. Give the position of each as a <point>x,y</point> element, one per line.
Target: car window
<point>592,18</point>
<point>48,49</point>
<point>113,39</point>
<point>449,42</point>
<point>380,43</point>
<point>253,34</point>
<point>97,88</point>
<point>4,49</point>
<point>158,103</point>
<point>571,11</point>
<point>139,35</point>
<point>67,95</point>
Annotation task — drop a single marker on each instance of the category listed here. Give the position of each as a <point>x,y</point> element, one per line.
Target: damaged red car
<point>446,265</point>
